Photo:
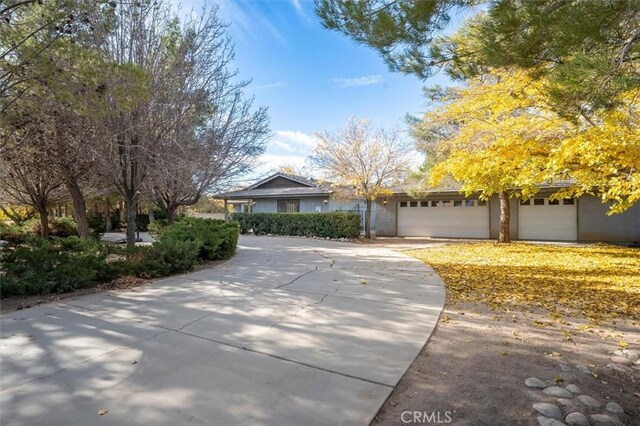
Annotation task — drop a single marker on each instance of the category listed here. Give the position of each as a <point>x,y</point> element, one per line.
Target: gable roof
<point>304,187</point>
<point>294,178</point>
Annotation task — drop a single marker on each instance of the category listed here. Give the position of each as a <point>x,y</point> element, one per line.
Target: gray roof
<point>296,178</point>
<point>313,188</point>
<point>450,186</point>
<point>275,192</point>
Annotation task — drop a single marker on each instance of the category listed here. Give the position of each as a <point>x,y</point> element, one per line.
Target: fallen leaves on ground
<point>598,282</point>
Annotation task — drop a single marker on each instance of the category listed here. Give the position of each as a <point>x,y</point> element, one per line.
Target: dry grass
<point>598,283</point>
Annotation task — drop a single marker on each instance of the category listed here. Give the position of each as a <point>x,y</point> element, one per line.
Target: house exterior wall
<point>265,205</point>
<point>313,205</point>
<point>307,204</point>
<point>595,225</point>
<point>593,222</point>
<point>387,217</point>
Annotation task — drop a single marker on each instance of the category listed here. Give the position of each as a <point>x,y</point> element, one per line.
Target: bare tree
<point>215,135</point>
<point>130,134</point>
<point>26,179</point>
<point>363,159</point>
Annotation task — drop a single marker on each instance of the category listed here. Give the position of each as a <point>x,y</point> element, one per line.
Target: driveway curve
<point>291,331</point>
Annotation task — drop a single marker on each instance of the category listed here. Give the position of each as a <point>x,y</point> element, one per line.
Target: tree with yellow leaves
<point>602,156</point>
<point>500,133</point>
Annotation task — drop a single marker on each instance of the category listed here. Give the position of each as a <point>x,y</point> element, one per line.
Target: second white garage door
<point>443,218</point>
<point>544,219</point>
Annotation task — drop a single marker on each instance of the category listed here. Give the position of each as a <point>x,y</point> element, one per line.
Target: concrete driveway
<point>291,331</point>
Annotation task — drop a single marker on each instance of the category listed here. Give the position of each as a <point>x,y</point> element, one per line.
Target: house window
<point>482,203</point>
<point>568,201</point>
<point>424,204</point>
<point>414,204</point>
<point>468,203</point>
<point>435,203</point>
<point>447,203</point>
<point>403,204</point>
<point>525,202</point>
<point>457,203</point>
<point>554,202</point>
<point>538,201</point>
<point>288,206</point>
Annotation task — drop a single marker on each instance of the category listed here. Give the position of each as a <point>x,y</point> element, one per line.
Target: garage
<point>443,218</point>
<point>545,219</point>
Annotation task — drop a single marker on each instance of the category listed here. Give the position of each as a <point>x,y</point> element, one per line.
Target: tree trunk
<point>367,220</point>
<point>505,218</point>
<point>131,221</point>
<point>79,208</point>
<point>121,212</point>
<point>44,223</point>
<point>152,217</point>
<point>107,215</point>
<point>171,213</point>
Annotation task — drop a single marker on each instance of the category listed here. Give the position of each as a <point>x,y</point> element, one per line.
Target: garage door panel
<point>548,222</point>
<point>455,222</point>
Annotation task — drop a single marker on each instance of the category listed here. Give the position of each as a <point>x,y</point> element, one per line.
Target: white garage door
<point>443,218</point>
<point>544,219</point>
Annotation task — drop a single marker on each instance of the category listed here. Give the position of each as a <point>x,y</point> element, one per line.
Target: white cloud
<point>366,80</point>
<point>286,147</point>
<point>298,7</point>
<point>297,140</point>
<point>275,85</point>
<point>248,22</point>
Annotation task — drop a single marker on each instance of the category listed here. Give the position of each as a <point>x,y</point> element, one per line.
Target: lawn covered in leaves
<point>599,282</point>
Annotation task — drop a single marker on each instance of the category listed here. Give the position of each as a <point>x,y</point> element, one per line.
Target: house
<point>286,193</point>
<point>447,213</point>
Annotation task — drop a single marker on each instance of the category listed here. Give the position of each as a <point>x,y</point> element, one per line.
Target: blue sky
<point>310,78</point>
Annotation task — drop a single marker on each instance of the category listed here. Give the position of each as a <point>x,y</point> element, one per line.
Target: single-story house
<point>286,193</point>
<point>447,213</point>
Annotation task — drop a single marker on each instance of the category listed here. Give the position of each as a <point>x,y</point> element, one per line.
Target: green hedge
<point>216,239</point>
<point>331,225</point>
<point>34,265</point>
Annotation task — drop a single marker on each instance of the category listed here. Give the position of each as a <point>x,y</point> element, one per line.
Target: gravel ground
<point>473,369</point>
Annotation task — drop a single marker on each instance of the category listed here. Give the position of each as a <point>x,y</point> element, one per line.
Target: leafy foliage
<point>597,282</point>
<point>33,265</point>
<point>587,49</point>
<point>41,266</point>
<point>331,225</point>
<point>215,239</point>
<point>504,135</point>
<point>501,133</point>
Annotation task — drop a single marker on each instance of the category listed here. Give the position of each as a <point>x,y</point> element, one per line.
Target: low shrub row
<point>61,227</point>
<point>33,265</point>
<point>331,225</point>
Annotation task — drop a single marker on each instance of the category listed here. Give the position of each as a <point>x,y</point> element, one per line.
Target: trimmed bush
<point>217,239</point>
<point>157,226</point>
<point>58,227</point>
<point>12,233</point>
<point>58,265</point>
<point>31,265</point>
<point>331,225</point>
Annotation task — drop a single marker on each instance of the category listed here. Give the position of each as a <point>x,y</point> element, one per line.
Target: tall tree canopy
<point>500,134</point>
<point>589,50</point>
